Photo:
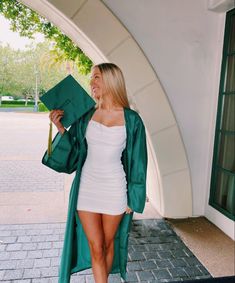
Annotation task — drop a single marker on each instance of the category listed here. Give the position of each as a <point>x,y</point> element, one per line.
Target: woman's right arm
<point>65,147</point>
<point>55,117</point>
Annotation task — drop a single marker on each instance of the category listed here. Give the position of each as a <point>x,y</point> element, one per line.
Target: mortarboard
<point>69,96</point>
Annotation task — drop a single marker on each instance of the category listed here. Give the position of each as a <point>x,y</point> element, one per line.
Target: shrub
<point>15,102</point>
<point>42,107</point>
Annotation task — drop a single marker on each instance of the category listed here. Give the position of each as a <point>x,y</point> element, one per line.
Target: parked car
<point>23,99</point>
<point>7,98</point>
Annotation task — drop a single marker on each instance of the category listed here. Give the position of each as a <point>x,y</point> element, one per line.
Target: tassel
<point>49,149</point>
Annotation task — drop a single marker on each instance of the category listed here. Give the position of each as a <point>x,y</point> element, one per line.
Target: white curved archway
<point>91,25</point>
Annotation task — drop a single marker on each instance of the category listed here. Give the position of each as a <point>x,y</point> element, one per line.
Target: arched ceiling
<point>94,28</point>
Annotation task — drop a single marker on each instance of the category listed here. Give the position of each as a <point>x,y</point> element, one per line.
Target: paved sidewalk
<point>26,185</point>
<point>28,176</point>
<point>30,253</point>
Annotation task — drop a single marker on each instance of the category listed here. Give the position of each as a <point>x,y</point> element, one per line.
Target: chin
<point>97,96</point>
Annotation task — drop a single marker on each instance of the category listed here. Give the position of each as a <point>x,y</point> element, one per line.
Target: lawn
<point>15,105</point>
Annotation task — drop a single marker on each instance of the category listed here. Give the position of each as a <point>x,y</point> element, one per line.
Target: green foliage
<point>27,23</point>
<point>42,107</point>
<point>17,103</point>
<point>20,68</point>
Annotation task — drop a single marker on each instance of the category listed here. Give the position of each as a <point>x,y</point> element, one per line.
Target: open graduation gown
<point>69,153</point>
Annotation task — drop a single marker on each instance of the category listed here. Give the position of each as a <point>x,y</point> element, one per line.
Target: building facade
<point>178,61</point>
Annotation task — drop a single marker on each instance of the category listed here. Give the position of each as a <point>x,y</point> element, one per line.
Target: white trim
<point>221,6</point>
<point>224,223</point>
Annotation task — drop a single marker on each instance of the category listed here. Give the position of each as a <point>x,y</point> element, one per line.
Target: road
<point>18,109</point>
<point>29,191</point>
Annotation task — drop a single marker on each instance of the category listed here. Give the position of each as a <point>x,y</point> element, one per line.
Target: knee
<point>109,244</point>
<point>97,250</point>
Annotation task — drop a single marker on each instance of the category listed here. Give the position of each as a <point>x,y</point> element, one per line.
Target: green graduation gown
<point>69,153</point>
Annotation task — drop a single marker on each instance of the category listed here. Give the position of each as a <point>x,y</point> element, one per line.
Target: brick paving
<point>24,136</point>
<point>30,253</point>
<point>26,185</point>
<point>28,176</point>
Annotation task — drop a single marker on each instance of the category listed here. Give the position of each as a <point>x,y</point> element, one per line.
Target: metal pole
<point>36,91</point>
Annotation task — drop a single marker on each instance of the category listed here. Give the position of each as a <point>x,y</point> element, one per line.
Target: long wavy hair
<point>114,83</point>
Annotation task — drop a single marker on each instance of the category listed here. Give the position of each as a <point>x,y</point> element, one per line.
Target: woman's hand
<point>55,117</point>
<point>128,210</point>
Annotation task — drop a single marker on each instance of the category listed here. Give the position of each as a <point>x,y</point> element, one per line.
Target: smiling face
<point>108,85</point>
<point>96,83</point>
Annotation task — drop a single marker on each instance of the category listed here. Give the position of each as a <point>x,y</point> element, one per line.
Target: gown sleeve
<point>138,172</point>
<point>65,152</point>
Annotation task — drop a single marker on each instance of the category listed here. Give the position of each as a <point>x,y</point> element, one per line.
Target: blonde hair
<point>114,83</point>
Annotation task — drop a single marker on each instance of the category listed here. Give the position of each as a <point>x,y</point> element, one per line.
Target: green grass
<point>15,105</point>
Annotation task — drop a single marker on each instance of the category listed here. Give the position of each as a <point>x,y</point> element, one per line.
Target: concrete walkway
<point>33,207</point>
<point>27,187</point>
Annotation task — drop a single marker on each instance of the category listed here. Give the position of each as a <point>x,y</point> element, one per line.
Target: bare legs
<point>110,225</point>
<point>100,230</point>
<point>92,225</point>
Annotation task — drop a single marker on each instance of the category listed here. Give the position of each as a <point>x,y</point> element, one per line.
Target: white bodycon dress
<point>103,180</point>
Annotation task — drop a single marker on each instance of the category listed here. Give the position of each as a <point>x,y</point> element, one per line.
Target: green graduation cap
<point>69,96</point>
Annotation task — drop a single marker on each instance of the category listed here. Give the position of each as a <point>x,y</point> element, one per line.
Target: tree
<point>19,69</point>
<point>7,71</point>
<point>27,22</point>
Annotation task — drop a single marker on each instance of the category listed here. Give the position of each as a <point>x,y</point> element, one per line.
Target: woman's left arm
<point>138,172</point>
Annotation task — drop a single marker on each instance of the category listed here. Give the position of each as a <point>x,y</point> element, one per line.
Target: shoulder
<point>87,115</point>
<point>79,123</point>
<point>135,116</point>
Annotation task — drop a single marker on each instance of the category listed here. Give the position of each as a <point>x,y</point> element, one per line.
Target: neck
<point>107,104</point>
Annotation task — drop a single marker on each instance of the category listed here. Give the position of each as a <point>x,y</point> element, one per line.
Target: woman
<point>107,149</point>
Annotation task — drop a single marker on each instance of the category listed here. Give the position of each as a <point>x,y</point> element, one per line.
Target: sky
<point>13,38</point>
